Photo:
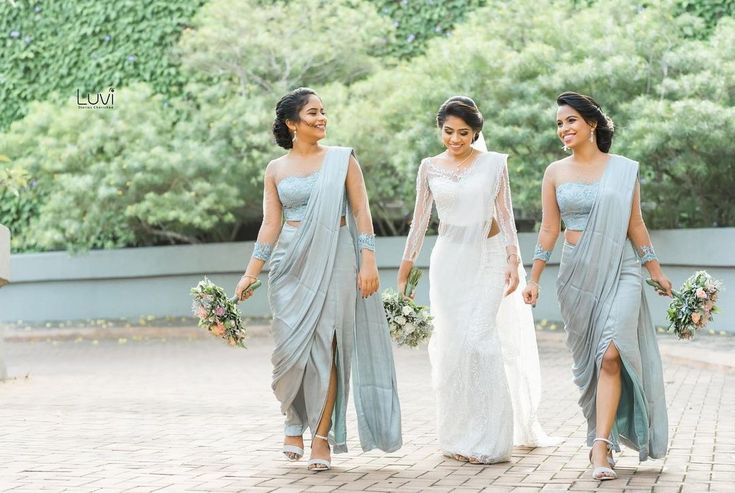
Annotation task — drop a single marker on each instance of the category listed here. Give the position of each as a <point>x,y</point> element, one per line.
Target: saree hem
<point>601,297</point>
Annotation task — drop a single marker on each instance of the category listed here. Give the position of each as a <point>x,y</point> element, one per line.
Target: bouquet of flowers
<point>219,314</point>
<point>693,305</point>
<point>410,324</point>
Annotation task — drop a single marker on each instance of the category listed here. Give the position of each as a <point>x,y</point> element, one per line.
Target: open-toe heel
<point>319,464</point>
<point>293,452</point>
<point>603,473</point>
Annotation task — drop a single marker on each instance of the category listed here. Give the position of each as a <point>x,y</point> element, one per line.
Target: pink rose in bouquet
<point>692,305</point>
<point>219,314</point>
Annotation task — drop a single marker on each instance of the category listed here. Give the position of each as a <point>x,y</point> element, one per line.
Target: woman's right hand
<point>241,291</point>
<point>530,293</point>
<point>402,287</point>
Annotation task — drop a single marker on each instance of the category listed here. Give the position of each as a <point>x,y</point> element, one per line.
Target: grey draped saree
<point>600,292</point>
<point>314,300</point>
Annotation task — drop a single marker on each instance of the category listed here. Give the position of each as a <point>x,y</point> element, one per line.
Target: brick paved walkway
<point>142,414</point>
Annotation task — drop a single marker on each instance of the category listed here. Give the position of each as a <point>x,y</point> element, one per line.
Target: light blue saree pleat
<point>313,297</point>
<point>602,302</point>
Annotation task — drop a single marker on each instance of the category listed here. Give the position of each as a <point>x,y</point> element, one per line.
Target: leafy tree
<point>160,169</point>
<point>710,11</point>
<point>277,47</point>
<point>683,135</point>
<point>514,59</point>
<point>125,177</point>
<point>416,22</point>
<point>11,178</point>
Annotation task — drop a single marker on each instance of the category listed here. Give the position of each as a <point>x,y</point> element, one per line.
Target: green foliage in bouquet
<point>693,304</point>
<point>219,314</point>
<point>409,323</point>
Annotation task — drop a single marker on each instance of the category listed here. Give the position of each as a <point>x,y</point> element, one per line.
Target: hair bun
<point>288,108</point>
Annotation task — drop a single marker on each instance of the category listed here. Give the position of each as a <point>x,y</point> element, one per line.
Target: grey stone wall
<point>156,281</point>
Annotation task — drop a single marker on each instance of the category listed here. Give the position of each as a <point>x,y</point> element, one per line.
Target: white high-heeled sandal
<point>293,452</point>
<point>602,473</point>
<point>319,464</point>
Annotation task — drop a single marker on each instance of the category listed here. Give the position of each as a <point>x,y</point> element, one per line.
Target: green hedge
<point>416,22</point>
<point>52,48</point>
<point>710,11</point>
<point>186,165</point>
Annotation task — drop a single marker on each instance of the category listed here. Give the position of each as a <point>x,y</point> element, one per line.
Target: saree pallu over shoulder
<point>300,281</point>
<point>602,302</point>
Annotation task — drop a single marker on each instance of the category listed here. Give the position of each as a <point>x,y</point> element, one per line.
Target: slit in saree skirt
<point>336,325</point>
<point>630,426</point>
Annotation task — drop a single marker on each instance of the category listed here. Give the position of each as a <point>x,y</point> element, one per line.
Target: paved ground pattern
<point>167,411</point>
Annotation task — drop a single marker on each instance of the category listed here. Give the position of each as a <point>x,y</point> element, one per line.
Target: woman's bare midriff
<point>571,236</point>
<point>296,224</point>
<point>494,229</point>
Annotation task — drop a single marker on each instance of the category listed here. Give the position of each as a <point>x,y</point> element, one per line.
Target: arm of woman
<point>547,236</point>
<point>638,234</point>
<point>368,280</point>
<point>419,225</point>
<point>270,228</point>
<point>507,224</point>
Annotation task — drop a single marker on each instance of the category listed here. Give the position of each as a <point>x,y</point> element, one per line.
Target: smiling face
<point>312,123</point>
<point>457,136</point>
<point>571,128</point>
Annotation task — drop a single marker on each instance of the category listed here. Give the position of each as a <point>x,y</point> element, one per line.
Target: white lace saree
<point>485,368</point>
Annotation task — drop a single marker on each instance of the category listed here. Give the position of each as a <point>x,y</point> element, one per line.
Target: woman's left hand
<point>368,280</point>
<point>511,279</point>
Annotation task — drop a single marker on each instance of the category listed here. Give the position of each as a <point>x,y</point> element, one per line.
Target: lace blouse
<point>575,201</point>
<point>294,193</point>
<point>467,200</point>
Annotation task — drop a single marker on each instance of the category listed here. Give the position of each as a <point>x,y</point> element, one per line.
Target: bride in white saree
<point>485,367</point>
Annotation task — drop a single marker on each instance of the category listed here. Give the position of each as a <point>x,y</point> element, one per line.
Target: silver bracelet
<point>262,251</point>
<point>366,241</point>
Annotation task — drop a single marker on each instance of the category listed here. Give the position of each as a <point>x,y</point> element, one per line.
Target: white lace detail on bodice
<point>466,201</point>
<point>485,368</point>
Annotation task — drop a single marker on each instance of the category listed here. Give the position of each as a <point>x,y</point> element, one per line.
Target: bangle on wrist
<point>518,259</point>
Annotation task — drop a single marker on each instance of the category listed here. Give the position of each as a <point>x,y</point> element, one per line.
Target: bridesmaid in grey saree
<point>326,325</point>
<point>617,365</point>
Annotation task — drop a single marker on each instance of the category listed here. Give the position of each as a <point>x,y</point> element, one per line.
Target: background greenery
<point>180,158</point>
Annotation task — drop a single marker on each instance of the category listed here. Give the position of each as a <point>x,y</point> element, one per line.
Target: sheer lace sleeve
<point>270,228</point>
<point>421,215</point>
<point>504,211</point>
<point>357,195</point>
<point>637,231</point>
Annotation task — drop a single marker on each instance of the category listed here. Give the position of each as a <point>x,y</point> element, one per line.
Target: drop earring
<point>592,135</point>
